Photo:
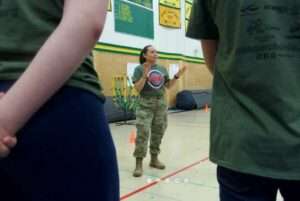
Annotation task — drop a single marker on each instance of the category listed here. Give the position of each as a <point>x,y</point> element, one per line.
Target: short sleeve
<point>202,25</point>
<point>137,74</point>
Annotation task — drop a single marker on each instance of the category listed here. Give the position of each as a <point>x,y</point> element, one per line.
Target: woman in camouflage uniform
<point>150,80</point>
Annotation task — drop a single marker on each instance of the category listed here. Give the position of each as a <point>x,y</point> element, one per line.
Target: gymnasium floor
<point>189,175</point>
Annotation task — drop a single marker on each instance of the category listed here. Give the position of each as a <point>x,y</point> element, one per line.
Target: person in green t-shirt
<point>55,143</point>
<point>150,80</point>
<point>252,49</point>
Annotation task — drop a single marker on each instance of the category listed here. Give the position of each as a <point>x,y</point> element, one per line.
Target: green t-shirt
<point>255,121</point>
<point>25,25</point>
<point>157,78</point>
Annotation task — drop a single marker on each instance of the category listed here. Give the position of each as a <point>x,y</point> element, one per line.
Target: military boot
<point>138,172</point>
<point>155,163</point>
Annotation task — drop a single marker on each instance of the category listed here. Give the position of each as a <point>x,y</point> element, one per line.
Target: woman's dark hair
<point>143,52</point>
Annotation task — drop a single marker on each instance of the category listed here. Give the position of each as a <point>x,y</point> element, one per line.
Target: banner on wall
<point>134,17</point>
<point>188,11</point>
<point>173,70</point>
<point>169,13</point>
<point>130,70</point>
<point>145,3</point>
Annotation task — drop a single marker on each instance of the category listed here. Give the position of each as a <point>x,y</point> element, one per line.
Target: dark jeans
<point>235,186</point>
<point>64,153</point>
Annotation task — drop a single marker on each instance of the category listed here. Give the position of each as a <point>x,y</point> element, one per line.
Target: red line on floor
<point>143,188</point>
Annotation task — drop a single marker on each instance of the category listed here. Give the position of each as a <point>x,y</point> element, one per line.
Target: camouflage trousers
<point>151,115</point>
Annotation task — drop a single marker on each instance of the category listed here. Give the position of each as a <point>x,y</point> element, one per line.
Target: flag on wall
<point>134,17</point>
<point>169,13</point>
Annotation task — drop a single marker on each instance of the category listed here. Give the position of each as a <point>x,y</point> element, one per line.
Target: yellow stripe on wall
<point>136,52</point>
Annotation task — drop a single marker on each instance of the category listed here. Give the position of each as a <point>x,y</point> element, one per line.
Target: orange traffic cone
<point>132,137</point>
<point>206,108</point>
